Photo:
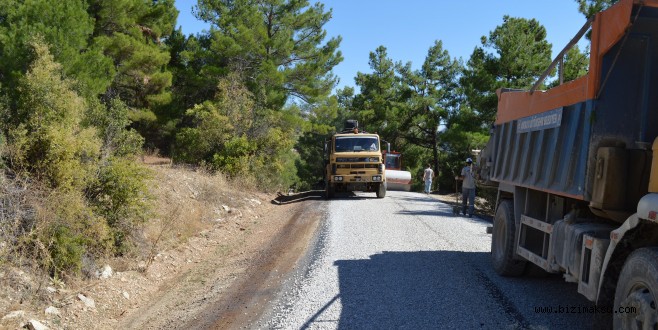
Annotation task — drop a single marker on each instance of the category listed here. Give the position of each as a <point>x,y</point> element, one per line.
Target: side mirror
<point>388,146</point>
<point>326,149</point>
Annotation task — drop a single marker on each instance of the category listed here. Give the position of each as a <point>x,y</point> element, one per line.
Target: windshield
<point>356,143</point>
<point>392,161</point>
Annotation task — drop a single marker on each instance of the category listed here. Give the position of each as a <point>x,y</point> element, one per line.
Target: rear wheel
<point>502,242</point>
<point>381,190</point>
<point>636,295</point>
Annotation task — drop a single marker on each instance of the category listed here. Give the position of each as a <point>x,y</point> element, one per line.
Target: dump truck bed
<point>547,140</point>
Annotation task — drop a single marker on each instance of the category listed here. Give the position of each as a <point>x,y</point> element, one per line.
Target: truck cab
<point>354,162</point>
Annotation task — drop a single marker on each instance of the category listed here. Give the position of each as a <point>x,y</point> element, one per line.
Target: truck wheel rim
<point>638,310</point>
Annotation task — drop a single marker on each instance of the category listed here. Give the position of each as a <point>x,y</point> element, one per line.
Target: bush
<point>66,250</point>
<point>17,216</point>
<point>191,146</point>
<point>112,122</point>
<point>48,138</point>
<point>91,196</point>
<point>120,195</point>
<point>68,229</point>
<point>235,157</point>
<point>200,143</point>
<point>276,169</point>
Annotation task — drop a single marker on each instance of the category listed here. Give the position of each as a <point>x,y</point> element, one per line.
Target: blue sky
<point>408,28</point>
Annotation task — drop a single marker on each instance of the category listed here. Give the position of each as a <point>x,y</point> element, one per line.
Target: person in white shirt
<point>428,175</point>
<point>468,187</point>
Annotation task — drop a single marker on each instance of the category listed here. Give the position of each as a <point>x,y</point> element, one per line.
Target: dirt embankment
<point>214,250</point>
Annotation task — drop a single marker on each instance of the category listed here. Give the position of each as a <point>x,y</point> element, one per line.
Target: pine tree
<point>590,7</point>
<point>131,33</point>
<point>277,45</point>
<point>433,95</point>
<point>66,27</point>
<point>576,64</point>
<point>502,62</point>
<point>378,103</point>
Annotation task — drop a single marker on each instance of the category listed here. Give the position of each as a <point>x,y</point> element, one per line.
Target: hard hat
<point>468,160</point>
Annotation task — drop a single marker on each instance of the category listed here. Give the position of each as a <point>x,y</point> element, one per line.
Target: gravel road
<point>406,262</point>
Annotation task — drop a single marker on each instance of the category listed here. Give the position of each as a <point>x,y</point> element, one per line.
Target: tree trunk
<point>435,154</point>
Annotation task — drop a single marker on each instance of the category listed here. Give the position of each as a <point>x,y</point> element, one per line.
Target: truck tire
<point>381,190</point>
<point>329,190</point>
<point>502,242</point>
<point>637,289</point>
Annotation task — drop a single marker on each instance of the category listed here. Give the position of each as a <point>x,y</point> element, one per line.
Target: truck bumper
<point>357,179</point>
<point>361,182</point>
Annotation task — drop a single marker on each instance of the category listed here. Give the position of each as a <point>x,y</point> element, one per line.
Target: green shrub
<point>276,173</point>
<point>91,196</point>
<point>46,131</point>
<point>200,143</point>
<point>68,229</point>
<point>66,250</point>
<point>65,160</point>
<point>191,146</point>
<point>112,121</point>
<point>120,195</point>
<point>235,157</point>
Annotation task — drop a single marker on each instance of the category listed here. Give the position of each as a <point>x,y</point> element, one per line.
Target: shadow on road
<point>350,195</point>
<point>445,211</point>
<point>444,208</point>
<point>294,198</point>
<point>317,195</point>
<point>417,198</point>
<point>445,289</point>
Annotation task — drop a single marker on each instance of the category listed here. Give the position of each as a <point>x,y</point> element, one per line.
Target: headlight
<point>373,160</point>
<point>338,178</point>
<point>377,178</point>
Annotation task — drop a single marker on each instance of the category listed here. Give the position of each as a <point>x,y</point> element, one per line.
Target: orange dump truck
<point>577,180</point>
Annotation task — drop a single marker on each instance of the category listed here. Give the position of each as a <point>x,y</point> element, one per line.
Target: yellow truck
<point>354,162</point>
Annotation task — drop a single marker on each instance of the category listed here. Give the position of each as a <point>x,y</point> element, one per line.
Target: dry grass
<point>22,281</point>
<point>19,205</point>
<point>189,201</point>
